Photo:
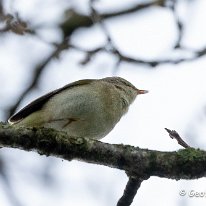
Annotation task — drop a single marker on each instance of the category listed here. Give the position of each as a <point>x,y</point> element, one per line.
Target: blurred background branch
<point>75,20</point>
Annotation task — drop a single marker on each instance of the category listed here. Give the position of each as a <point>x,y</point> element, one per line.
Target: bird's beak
<point>141,91</point>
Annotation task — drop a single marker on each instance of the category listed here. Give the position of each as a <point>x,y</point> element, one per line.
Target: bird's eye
<point>118,87</point>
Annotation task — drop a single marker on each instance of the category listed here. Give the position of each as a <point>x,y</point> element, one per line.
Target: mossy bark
<point>183,164</point>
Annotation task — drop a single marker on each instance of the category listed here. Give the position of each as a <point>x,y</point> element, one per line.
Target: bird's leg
<point>70,120</point>
<point>56,120</point>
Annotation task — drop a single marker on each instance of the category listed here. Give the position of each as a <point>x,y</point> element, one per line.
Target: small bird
<point>85,108</point>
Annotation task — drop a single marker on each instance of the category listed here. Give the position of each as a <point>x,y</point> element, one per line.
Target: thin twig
<point>14,23</point>
<point>133,8</point>
<point>179,24</point>
<point>174,135</point>
<point>111,48</point>
<point>130,191</point>
<point>110,45</point>
<point>77,20</point>
<point>128,59</point>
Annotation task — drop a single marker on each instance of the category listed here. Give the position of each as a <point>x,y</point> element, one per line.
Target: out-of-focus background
<point>157,45</point>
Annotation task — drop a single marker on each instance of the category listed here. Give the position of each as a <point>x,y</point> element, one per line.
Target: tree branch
<point>124,58</point>
<point>110,47</point>
<point>184,164</point>
<point>130,191</point>
<point>76,20</point>
<point>174,135</point>
<point>132,9</point>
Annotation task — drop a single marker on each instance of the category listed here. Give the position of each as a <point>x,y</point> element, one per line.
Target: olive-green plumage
<point>85,108</point>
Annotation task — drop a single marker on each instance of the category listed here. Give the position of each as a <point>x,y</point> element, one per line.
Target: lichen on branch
<point>183,164</point>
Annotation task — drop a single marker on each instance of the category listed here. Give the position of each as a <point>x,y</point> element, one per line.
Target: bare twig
<point>133,8</point>
<point>111,48</point>
<point>130,191</point>
<point>174,135</point>
<point>173,6</point>
<point>110,45</point>
<point>77,20</point>
<point>97,18</point>
<point>124,58</point>
<point>14,24</point>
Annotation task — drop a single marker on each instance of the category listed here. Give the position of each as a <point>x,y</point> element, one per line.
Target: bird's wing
<point>39,102</point>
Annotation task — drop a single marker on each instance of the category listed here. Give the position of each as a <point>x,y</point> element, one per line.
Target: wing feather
<point>40,102</point>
